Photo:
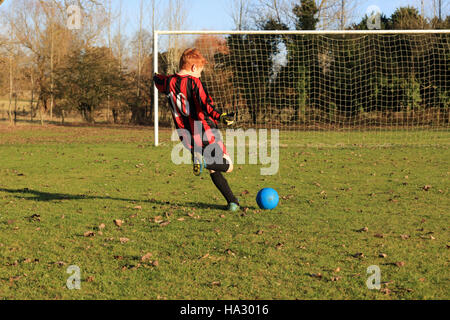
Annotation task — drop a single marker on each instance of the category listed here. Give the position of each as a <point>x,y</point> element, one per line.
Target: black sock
<point>222,167</point>
<point>222,184</point>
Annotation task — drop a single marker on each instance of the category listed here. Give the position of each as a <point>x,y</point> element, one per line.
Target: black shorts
<point>213,154</point>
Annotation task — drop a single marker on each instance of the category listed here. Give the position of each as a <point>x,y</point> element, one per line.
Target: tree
<point>239,12</point>
<point>305,14</point>
<point>408,18</point>
<point>88,78</point>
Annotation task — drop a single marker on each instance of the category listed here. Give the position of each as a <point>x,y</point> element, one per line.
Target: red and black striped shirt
<point>191,105</point>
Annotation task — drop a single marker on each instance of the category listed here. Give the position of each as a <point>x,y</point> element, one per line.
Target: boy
<point>196,118</point>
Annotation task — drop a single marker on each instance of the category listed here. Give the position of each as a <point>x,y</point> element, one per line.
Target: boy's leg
<point>218,160</point>
<point>221,183</point>
<point>225,166</point>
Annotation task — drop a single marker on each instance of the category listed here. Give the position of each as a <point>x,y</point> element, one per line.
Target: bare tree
<point>239,12</point>
<point>176,20</point>
<point>278,10</point>
<point>10,49</point>
<point>336,14</point>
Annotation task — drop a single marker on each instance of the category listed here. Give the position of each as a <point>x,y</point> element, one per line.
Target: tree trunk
<point>51,73</point>
<point>15,109</point>
<point>10,89</point>
<point>41,116</point>
<point>32,96</point>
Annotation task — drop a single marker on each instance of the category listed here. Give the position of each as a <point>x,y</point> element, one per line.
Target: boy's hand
<point>227,118</point>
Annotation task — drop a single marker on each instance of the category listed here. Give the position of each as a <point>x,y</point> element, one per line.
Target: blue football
<point>267,198</point>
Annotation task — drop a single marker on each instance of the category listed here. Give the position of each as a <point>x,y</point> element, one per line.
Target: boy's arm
<point>160,82</point>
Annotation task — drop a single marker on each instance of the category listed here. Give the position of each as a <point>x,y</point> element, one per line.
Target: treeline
<point>50,69</point>
<point>336,80</point>
<point>99,73</point>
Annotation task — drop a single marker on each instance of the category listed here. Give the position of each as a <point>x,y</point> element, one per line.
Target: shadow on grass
<point>36,195</point>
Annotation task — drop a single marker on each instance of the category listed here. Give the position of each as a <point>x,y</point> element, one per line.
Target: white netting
<point>378,87</point>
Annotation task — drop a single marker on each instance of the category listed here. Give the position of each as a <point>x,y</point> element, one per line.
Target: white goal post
<point>320,81</point>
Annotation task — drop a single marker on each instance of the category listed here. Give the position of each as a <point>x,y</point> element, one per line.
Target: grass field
<point>61,188</point>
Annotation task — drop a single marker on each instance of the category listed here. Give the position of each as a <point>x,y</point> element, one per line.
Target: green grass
<point>76,179</point>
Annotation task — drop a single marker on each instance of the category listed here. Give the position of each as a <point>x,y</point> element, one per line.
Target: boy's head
<point>192,62</point>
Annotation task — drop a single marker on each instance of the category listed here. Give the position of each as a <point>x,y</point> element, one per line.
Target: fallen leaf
<point>231,253</point>
<point>138,207</point>
<point>102,226</point>
<point>216,283</point>
<point>90,279</point>
<point>365,229</point>
<point>386,291</point>
<point>404,236</point>
<point>89,234</point>
<point>400,264</point>
<point>358,255</point>
<point>259,232</point>
<point>35,217</point>
<point>382,255</point>
<point>379,235</point>
<point>15,278</point>
<point>155,263</point>
<point>426,187</point>
<point>146,257</point>
<point>118,222</point>
<point>337,269</point>
<point>335,278</point>
<point>124,240</point>
<point>163,224</point>
<point>316,275</point>
<point>205,256</point>
<point>279,246</point>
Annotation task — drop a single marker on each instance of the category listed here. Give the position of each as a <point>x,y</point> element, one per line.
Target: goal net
<point>324,87</point>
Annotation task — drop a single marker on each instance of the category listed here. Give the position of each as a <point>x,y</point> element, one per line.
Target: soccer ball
<point>267,198</point>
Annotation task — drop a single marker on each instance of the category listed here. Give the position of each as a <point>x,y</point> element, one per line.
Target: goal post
<point>356,86</point>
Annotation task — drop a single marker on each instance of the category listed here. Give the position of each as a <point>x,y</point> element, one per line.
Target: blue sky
<point>214,14</point>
